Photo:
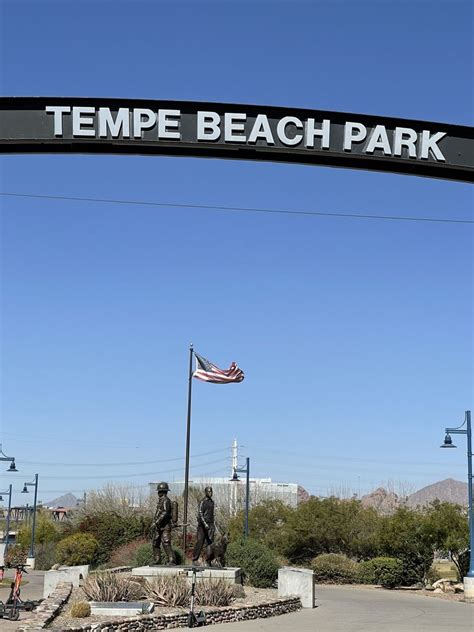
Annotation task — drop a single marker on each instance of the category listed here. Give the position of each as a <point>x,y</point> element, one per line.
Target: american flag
<point>209,372</point>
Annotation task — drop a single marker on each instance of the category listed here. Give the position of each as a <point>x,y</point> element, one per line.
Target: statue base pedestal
<point>230,575</point>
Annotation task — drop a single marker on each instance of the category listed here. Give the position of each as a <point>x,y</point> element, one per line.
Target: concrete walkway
<point>351,609</point>
<point>32,590</point>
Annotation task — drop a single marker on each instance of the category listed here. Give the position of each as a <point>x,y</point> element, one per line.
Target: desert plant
<point>80,548</point>
<point>80,609</point>
<point>257,562</point>
<point>168,591</point>
<point>16,554</point>
<point>333,568</point>
<point>107,586</point>
<point>214,592</point>
<point>386,571</point>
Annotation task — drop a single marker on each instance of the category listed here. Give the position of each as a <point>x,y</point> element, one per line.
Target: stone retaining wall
<point>166,621</point>
<point>48,608</point>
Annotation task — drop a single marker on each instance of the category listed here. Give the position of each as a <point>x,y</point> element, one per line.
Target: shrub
<point>80,609</point>
<point>16,554</point>
<point>387,571</point>
<point>169,591</point>
<point>257,562</point>
<point>107,586</point>
<point>112,530</point>
<point>432,575</point>
<point>179,555</point>
<point>214,592</point>
<point>144,555</point>
<point>332,568</point>
<point>125,555</point>
<point>80,548</point>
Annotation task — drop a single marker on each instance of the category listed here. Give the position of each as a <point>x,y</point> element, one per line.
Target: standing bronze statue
<point>161,526</point>
<point>205,523</point>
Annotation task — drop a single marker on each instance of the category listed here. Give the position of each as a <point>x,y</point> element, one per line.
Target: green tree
<point>447,526</point>
<point>46,531</point>
<point>266,521</point>
<point>406,536</point>
<point>329,525</point>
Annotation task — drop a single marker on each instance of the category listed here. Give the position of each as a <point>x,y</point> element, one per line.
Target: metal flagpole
<point>188,441</point>
<point>247,498</point>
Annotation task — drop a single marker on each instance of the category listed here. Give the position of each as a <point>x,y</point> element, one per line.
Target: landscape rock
<point>443,582</point>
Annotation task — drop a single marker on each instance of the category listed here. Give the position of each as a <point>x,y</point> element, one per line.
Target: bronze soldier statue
<point>205,521</point>
<point>161,526</point>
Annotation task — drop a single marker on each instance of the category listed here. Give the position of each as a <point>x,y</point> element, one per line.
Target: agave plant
<point>106,586</point>
<point>214,592</point>
<point>168,591</point>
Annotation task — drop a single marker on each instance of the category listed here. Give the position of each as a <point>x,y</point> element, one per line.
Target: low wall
<point>63,574</point>
<point>167,621</point>
<point>48,609</point>
<point>298,582</point>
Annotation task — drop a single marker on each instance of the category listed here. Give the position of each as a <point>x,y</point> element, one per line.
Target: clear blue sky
<point>355,335</point>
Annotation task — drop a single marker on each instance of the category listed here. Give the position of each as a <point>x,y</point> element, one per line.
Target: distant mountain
<point>448,490</point>
<point>67,500</point>
<point>383,501</point>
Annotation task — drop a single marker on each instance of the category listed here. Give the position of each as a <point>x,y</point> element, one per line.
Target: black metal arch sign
<point>246,132</point>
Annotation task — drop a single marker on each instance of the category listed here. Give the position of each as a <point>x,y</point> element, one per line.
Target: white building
<point>231,493</point>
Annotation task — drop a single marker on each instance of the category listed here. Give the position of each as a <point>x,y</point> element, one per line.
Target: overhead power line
<point>239,209</point>
<point>121,463</point>
<point>114,476</point>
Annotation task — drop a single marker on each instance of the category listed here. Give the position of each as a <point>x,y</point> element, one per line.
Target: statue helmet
<point>208,489</point>
<point>162,487</point>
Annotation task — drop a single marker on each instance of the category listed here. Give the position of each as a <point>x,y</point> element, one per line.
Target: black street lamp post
<point>245,469</point>
<point>33,528</point>
<point>448,443</point>
<point>7,528</point>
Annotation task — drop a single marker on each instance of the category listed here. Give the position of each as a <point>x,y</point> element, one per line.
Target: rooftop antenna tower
<point>235,459</point>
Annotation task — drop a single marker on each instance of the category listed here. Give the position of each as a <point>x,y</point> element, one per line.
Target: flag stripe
<point>208,372</point>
